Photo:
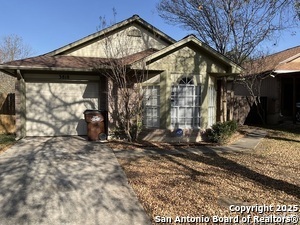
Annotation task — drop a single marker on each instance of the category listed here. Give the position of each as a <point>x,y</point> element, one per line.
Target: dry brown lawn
<point>206,185</point>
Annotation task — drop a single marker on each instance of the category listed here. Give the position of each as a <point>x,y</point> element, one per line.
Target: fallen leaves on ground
<point>205,185</point>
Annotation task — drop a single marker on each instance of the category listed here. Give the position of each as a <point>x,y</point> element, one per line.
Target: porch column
<point>230,96</point>
<point>165,104</point>
<point>221,100</point>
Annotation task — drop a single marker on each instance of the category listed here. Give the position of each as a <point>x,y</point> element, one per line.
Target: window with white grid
<point>185,98</point>
<point>151,107</point>
<point>211,105</point>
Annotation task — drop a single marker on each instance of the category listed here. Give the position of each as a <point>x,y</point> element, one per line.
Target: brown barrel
<point>95,124</point>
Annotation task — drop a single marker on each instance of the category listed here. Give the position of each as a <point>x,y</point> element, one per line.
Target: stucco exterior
<point>183,75</point>
<point>123,42</point>
<point>186,62</point>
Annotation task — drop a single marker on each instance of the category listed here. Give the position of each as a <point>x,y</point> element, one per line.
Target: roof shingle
<point>75,62</point>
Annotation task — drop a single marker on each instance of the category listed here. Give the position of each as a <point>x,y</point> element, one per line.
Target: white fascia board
<point>285,71</point>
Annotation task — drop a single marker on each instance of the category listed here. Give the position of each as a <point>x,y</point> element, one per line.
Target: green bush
<point>221,132</point>
<point>6,138</point>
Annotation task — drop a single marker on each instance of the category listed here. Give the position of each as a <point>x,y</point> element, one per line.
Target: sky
<point>50,24</point>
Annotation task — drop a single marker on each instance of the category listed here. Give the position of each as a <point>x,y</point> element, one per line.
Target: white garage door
<point>56,109</point>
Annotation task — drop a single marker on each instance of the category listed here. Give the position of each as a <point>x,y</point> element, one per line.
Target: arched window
<point>186,80</point>
<point>185,99</point>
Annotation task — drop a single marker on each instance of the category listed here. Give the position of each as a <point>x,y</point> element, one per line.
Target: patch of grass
<point>6,140</point>
<point>207,184</point>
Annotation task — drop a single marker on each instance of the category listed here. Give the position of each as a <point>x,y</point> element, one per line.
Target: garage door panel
<point>57,108</point>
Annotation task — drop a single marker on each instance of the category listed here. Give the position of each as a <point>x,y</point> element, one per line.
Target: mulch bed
<point>125,145</point>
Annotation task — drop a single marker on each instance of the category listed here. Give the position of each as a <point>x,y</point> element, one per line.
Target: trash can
<point>96,128</point>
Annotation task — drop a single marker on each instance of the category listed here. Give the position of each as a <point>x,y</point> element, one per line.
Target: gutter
<point>285,71</point>
<point>4,69</point>
<point>19,75</point>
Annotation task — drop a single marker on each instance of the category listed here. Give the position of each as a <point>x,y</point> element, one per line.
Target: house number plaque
<point>64,77</point>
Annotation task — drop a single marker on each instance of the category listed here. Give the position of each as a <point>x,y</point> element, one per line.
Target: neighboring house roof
<point>105,32</point>
<point>280,62</point>
<point>291,64</point>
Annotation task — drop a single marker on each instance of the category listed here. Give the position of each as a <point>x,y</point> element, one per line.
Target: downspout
<point>19,75</point>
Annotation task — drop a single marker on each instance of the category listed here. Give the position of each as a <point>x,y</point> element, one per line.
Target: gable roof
<point>95,36</point>
<point>57,61</point>
<point>193,40</point>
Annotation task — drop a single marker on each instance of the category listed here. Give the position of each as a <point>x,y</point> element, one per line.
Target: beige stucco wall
<point>126,41</point>
<point>185,62</point>
<point>188,61</point>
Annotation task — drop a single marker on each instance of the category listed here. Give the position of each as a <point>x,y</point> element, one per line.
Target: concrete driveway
<point>65,180</point>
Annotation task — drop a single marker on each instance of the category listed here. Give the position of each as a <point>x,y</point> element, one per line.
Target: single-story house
<point>187,80</point>
<point>280,84</point>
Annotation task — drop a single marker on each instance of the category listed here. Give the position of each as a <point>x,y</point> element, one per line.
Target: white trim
<point>212,98</point>
<point>286,71</point>
<point>290,58</point>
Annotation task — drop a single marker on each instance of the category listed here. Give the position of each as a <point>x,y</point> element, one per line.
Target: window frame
<point>177,97</point>
<point>149,101</point>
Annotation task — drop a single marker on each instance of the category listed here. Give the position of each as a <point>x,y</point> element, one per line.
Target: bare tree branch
<point>12,48</point>
<point>235,28</point>
<point>125,92</point>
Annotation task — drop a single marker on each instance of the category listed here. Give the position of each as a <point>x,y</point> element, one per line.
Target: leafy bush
<point>221,132</point>
<point>6,140</point>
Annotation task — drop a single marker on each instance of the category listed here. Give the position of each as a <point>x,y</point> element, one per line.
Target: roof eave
<point>110,29</point>
<point>285,71</point>
<point>6,69</point>
<point>220,75</point>
<point>234,67</point>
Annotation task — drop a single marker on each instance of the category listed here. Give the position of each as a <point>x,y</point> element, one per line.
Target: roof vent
<point>134,33</point>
